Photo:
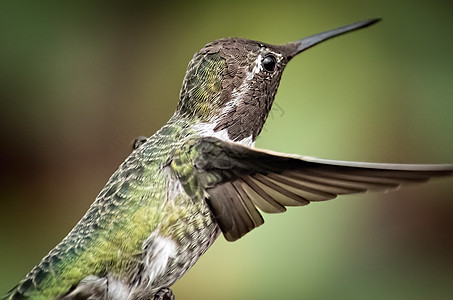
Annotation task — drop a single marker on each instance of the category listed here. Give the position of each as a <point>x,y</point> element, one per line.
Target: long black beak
<point>308,42</point>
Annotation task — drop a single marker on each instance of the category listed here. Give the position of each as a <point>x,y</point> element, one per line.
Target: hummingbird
<point>200,176</point>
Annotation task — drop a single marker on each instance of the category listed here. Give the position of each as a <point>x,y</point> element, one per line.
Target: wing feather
<point>243,180</point>
<point>233,209</point>
<point>260,198</point>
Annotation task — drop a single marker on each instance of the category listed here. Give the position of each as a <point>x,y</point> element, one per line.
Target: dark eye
<point>269,63</point>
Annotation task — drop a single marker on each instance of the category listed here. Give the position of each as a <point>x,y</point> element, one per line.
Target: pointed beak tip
<point>372,21</point>
<point>308,42</point>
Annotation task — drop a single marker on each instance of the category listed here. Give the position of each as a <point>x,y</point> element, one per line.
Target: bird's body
<point>142,233</point>
<point>199,176</point>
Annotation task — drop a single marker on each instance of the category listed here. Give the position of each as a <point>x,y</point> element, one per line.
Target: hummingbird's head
<point>230,84</point>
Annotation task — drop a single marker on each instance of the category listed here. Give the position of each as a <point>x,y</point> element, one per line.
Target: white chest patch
<point>158,251</point>
<point>207,129</point>
<point>117,290</point>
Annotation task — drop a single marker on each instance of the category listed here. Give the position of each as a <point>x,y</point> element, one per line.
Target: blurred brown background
<point>79,82</point>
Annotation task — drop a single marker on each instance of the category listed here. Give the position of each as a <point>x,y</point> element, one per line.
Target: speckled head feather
<point>231,83</point>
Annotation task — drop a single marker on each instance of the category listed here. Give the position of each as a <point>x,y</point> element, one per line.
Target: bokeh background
<point>79,82</point>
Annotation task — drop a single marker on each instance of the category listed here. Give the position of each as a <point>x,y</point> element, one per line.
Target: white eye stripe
<point>257,68</point>
<point>265,52</point>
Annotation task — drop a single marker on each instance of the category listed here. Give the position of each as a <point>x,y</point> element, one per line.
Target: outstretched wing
<point>240,180</point>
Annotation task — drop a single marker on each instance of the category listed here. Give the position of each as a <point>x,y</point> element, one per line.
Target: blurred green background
<point>79,82</point>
